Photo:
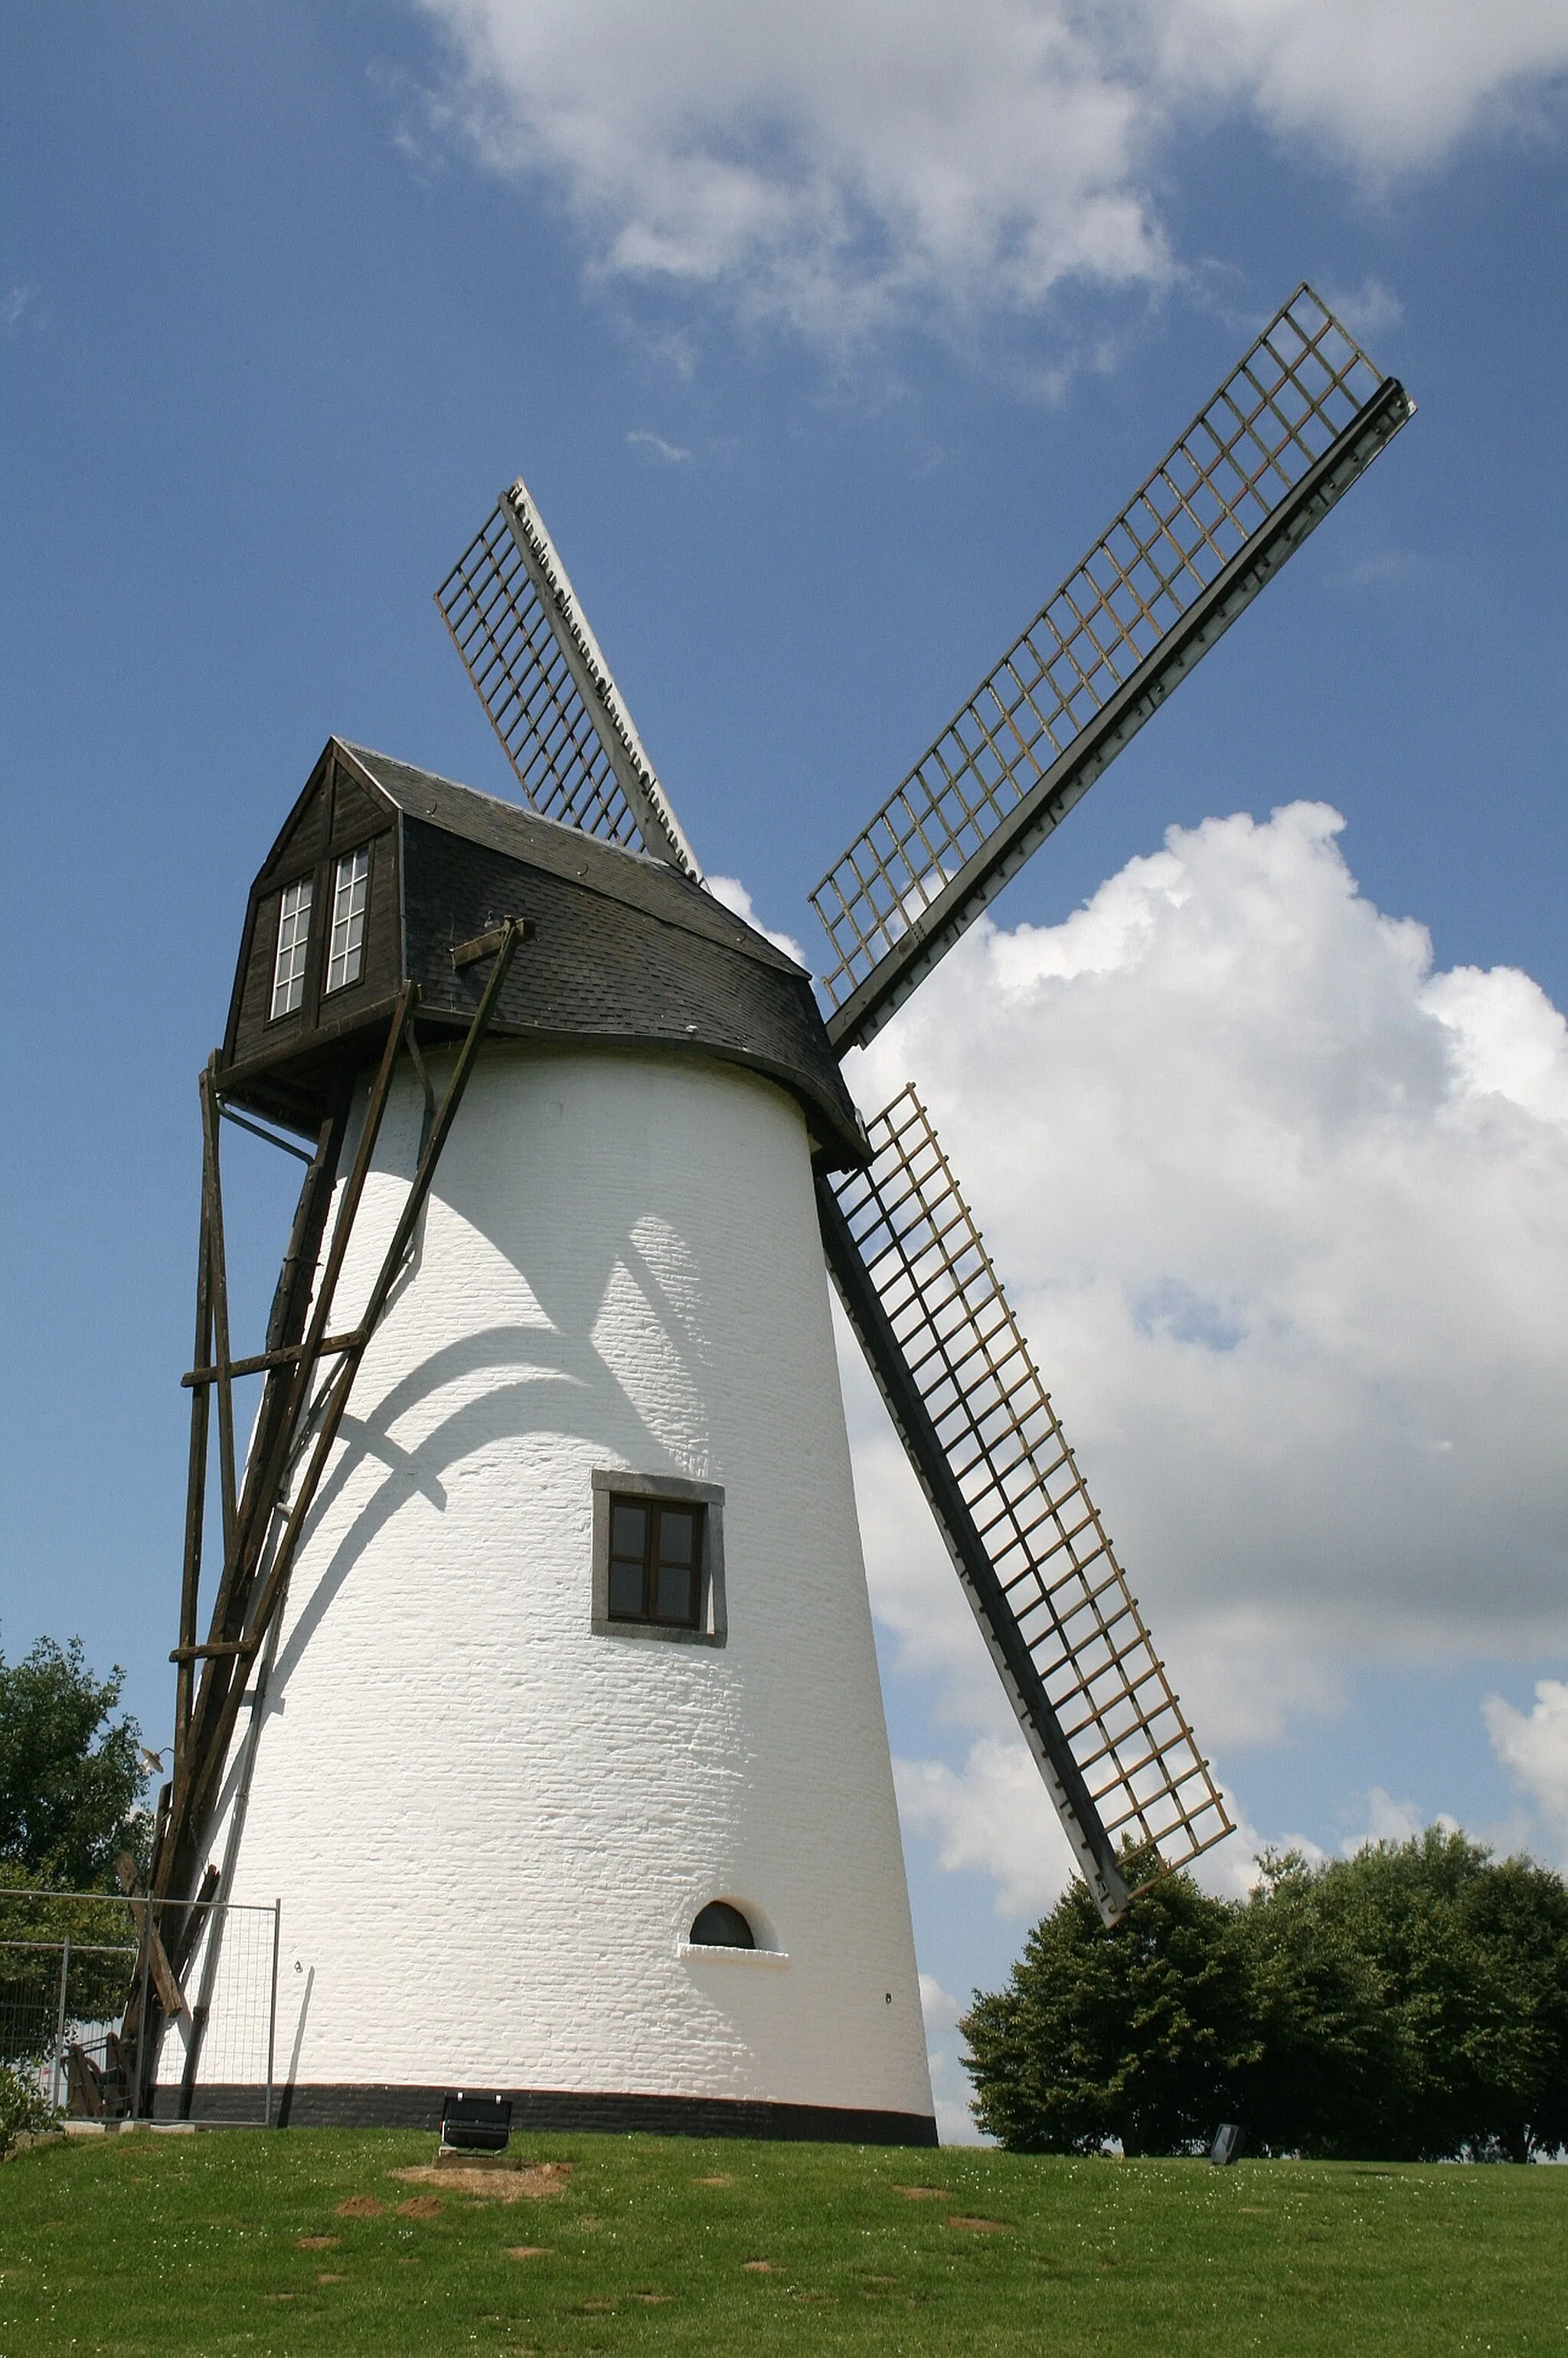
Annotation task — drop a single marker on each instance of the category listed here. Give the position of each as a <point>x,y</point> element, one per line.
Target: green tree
<point>1139,2033</point>
<point>1471,1954</point>
<point>1410,2002</point>
<point>70,1773</point>
<point>1331,2056</point>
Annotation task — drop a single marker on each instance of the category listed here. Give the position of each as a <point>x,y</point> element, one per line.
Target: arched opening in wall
<point>720,1926</point>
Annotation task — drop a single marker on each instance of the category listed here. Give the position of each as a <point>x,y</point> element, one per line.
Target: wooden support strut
<point>283,1406</point>
<point>195,1490</point>
<point>247,1599</point>
<point>218,1279</point>
<point>258,1365</point>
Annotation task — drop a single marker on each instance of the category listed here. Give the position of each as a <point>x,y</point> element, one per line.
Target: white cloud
<point>671,452</point>
<point>838,163</point>
<point>1533,1747</point>
<point>1285,1215</point>
<point>994,1816</point>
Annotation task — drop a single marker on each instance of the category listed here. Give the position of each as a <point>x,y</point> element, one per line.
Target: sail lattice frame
<point>541,676</point>
<point>509,646</point>
<point>1298,419</point>
<point>1052,1561</point>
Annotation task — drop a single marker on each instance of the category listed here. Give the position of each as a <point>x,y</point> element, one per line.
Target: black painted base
<point>374,2107</point>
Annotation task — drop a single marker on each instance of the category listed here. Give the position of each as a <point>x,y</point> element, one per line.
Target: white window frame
<point>293,948</point>
<point>350,898</point>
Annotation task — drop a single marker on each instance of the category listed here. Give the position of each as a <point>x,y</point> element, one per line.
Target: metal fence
<point>75,1965</point>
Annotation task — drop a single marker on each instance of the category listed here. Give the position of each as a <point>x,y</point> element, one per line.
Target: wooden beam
<point>217,1703</point>
<point>258,1365</point>
<point>171,1997</point>
<point>195,1489</point>
<point>485,945</point>
<point>212,1193</point>
<point>341,1383</point>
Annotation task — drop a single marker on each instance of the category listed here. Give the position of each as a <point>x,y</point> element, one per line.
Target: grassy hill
<point>306,2242</point>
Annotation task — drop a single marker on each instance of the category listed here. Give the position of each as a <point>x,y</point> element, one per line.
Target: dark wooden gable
<point>624,952</point>
<point>339,813</point>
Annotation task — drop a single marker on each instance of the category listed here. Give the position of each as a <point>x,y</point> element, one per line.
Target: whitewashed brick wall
<point>489,1828</point>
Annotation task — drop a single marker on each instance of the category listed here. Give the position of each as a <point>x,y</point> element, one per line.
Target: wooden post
<point>195,1484</point>
<point>218,1276</point>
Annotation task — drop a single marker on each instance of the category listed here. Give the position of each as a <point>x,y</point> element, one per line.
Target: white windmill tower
<point>539,1679</point>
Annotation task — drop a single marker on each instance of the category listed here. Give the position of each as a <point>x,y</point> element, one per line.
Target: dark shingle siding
<point>627,952</point>
<point>605,969</point>
<point>651,885</point>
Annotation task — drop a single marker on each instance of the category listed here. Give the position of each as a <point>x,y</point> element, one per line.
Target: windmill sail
<point>539,673</point>
<point>1107,1733</point>
<point>1303,415</point>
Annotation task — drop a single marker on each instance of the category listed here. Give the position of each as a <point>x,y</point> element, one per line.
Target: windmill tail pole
<point>188,1825</point>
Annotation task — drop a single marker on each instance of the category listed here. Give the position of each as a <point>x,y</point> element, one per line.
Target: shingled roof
<point>626,950</point>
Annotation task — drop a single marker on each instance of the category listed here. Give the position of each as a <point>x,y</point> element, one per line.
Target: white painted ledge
<point>702,1953</point>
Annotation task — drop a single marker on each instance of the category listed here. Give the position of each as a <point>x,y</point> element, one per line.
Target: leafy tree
<point>1410,2002</point>
<point>1138,2033</point>
<point>1472,1957</point>
<point>71,1780</point>
<point>1331,2055</point>
<point>71,1772</point>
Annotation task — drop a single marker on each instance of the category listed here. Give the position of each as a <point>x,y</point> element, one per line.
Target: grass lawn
<point>239,2241</point>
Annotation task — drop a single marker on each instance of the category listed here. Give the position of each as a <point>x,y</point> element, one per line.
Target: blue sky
<point>826,344</point>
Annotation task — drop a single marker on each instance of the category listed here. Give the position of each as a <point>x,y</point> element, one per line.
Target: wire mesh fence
<point>60,1993</point>
<point>74,1966</point>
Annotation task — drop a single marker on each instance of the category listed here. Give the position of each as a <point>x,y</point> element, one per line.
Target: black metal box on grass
<point>476,2124</point>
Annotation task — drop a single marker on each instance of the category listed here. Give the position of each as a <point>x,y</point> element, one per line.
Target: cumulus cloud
<point>1533,1747</point>
<point>841,162</point>
<point>672,453</point>
<point>1285,1215</point>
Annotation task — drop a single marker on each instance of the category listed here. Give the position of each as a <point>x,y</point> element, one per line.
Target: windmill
<point>538,1675</point>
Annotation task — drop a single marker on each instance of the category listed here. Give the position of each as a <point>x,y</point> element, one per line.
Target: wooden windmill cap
<point>625,951</point>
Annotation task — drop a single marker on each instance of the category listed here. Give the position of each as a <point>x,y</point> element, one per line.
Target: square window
<point>658,1558</point>
<point>292,942</point>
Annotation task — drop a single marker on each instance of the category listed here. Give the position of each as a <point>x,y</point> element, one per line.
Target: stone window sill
<point>698,1952</point>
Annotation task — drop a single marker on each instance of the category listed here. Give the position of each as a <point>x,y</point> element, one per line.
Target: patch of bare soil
<point>981,2226</point>
<point>723,2179</point>
<point>758,2268</point>
<point>421,2206</point>
<point>317,2243</point>
<point>331,2278</point>
<point>529,2251</point>
<point>924,2193</point>
<point>360,2206</point>
<point>524,2184</point>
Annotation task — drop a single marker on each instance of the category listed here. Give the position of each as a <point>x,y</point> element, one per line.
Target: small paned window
<point>345,951</point>
<point>655,1561</point>
<point>658,1558</point>
<point>293,941</point>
